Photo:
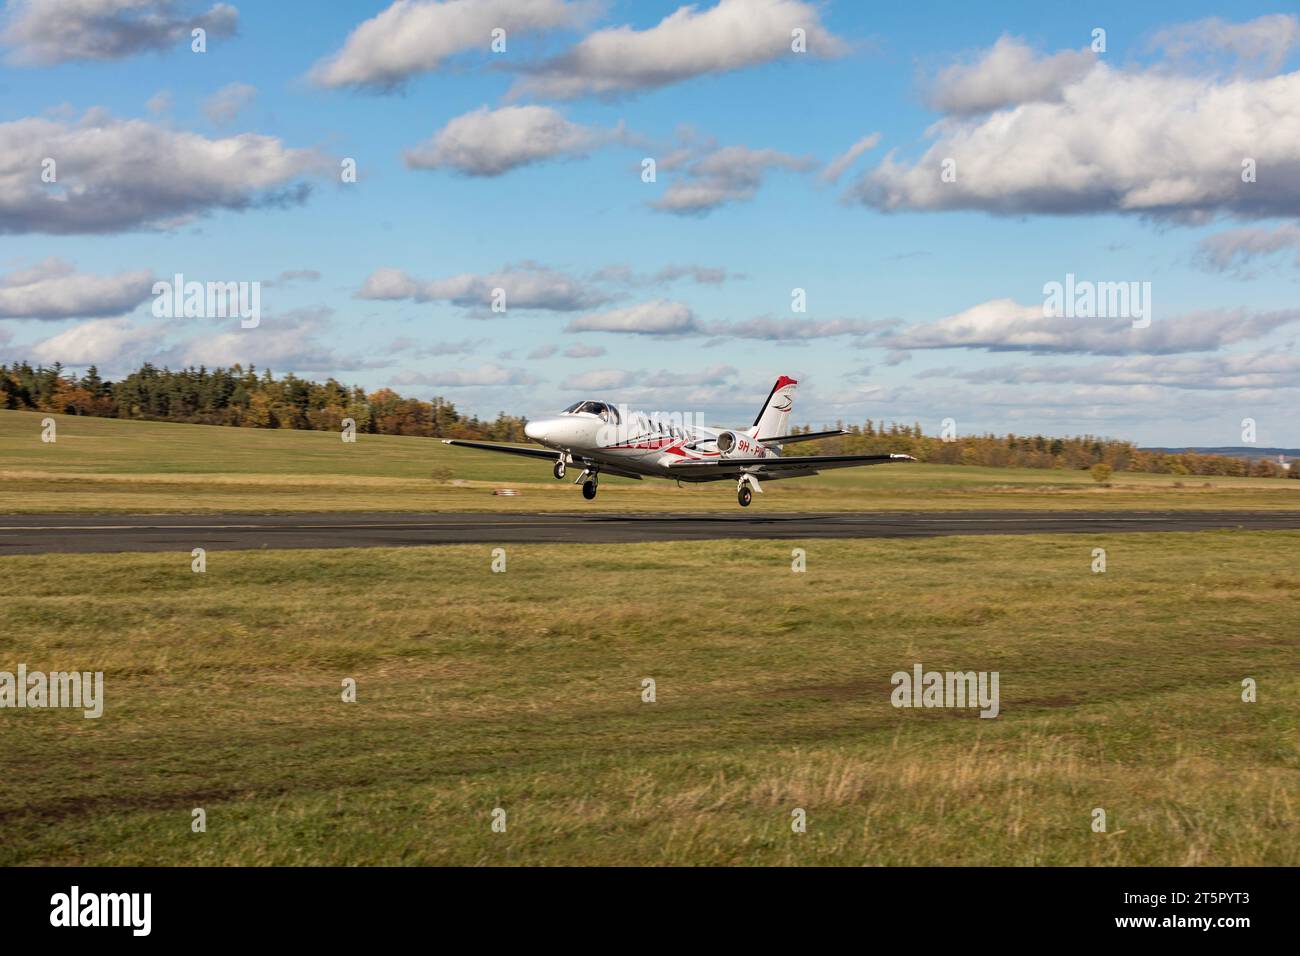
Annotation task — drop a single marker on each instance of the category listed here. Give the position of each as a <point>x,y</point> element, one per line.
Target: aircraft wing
<point>782,467</point>
<point>809,436</point>
<point>508,449</point>
<point>582,461</point>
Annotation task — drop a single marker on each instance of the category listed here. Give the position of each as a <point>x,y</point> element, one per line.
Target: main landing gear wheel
<point>589,488</point>
<point>744,496</point>
<point>559,469</point>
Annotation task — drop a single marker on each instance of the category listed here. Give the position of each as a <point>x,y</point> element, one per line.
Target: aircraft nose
<point>535,430</point>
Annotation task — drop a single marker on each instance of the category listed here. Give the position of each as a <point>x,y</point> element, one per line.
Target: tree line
<point>250,399</point>
<point>1038,451</point>
<point>242,397</point>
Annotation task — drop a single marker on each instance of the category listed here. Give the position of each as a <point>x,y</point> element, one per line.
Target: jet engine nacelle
<point>738,445</point>
<point>731,445</point>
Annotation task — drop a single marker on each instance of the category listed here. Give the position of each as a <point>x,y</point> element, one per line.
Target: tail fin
<point>772,420</point>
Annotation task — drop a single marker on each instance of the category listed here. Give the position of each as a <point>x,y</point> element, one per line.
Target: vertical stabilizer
<point>773,420</point>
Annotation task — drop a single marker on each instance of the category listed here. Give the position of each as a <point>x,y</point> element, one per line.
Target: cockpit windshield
<point>605,412</point>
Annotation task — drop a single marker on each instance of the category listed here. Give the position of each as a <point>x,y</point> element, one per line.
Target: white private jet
<point>600,437</point>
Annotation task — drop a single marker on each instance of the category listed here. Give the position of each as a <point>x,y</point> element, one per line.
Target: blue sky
<point>522,170</point>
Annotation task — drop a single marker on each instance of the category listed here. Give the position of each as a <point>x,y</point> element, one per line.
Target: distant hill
<point>1232,452</point>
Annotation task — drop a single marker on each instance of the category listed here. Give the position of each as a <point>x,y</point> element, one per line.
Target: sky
<point>670,206</point>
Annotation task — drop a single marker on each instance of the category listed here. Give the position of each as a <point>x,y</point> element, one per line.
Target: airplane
<point>601,438</point>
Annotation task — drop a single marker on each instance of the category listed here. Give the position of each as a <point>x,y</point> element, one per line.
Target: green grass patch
<point>522,690</point>
<point>107,465</point>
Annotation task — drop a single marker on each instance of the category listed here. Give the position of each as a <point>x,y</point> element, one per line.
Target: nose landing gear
<point>559,469</point>
<point>588,479</point>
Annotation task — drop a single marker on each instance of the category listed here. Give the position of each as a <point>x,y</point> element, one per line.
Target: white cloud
<point>491,142</point>
<point>667,317</point>
<point>584,351</point>
<point>228,102</point>
<point>410,347</point>
<point>108,343</point>
<point>417,36</point>
<point>703,275</point>
<point>601,380</point>
<point>291,275</point>
<point>52,289</point>
<point>656,317</point>
<point>1236,248</point>
<point>45,32</point>
<point>714,177</point>
<point>644,383</point>
<point>1005,325</point>
<point>1265,41</point>
<point>288,343</point>
<point>1150,142</point>
<point>484,375</point>
<point>837,166</point>
<point>1122,411</point>
<point>115,175</point>
<point>687,43</point>
<point>718,374</point>
<point>791,329</point>
<point>1199,372</point>
<point>528,286</point>
<point>159,103</point>
<point>1006,74</point>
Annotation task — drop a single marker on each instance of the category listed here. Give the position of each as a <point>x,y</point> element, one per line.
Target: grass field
<point>106,465</point>
<point>479,690</point>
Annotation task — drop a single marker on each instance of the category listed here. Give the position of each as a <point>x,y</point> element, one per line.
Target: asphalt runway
<point>38,534</point>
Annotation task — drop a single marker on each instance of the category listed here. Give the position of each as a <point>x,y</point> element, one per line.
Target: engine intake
<point>726,442</point>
